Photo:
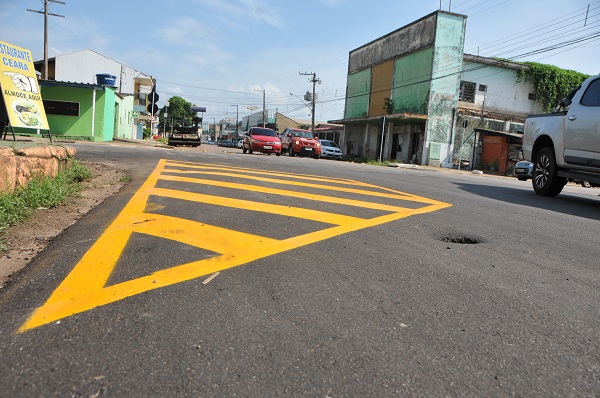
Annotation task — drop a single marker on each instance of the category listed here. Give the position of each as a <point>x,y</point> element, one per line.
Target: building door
<point>414,147</point>
<point>394,155</point>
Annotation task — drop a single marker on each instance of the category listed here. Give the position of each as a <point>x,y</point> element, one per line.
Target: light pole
<point>314,81</point>
<point>237,133</point>
<point>166,116</point>
<point>214,128</point>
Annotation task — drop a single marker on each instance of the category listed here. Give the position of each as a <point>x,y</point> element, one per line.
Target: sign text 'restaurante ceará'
<point>15,55</point>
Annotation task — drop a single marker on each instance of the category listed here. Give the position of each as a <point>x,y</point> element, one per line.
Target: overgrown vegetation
<point>41,192</point>
<point>376,162</point>
<point>551,83</point>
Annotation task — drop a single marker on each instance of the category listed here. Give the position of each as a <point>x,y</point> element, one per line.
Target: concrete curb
<point>18,166</point>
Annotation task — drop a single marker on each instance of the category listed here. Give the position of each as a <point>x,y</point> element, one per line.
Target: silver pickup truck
<point>565,145</point>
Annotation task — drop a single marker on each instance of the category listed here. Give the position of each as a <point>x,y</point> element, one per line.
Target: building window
<point>482,87</point>
<point>532,96</point>
<point>467,92</point>
<point>64,108</point>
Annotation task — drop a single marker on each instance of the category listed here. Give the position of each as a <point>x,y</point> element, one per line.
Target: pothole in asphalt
<point>461,240</point>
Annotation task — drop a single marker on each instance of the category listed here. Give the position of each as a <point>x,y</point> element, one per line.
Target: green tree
<point>179,109</point>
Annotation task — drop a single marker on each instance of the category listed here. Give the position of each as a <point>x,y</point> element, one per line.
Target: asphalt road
<point>335,280</point>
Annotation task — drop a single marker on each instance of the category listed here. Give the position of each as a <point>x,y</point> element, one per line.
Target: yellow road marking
<point>297,212</point>
<point>85,287</point>
<point>283,192</point>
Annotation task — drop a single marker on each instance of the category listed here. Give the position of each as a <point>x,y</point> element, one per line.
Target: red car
<point>300,142</point>
<point>263,140</point>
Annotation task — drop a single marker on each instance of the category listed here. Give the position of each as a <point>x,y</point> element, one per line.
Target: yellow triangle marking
<point>85,286</point>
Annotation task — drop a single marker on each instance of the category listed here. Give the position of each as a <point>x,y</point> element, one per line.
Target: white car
<point>330,150</point>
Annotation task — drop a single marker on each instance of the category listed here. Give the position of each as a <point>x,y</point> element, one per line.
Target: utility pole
<point>314,81</point>
<point>264,106</point>
<point>237,116</point>
<point>46,13</point>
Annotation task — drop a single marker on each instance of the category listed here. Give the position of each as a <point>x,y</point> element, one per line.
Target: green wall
<point>80,127</point>
<point>357,96</point>
<point>124,117</point>
<point>412,74</point>
<point>445,82</point>
<point>104,128</point>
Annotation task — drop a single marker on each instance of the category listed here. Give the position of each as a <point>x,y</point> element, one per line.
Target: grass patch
<point>41,191</point>
<point>375,162</point>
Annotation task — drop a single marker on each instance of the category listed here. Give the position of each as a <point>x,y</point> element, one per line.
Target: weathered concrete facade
<point>437,101</point>
<point>411,76</point>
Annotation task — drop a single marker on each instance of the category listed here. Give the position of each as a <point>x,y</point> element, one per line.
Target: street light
<point>251,108</point>
<point>237,134</point>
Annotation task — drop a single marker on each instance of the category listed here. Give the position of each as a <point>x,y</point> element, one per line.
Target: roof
<point>55,83</point>
<point>513,138</point>
<point>495,62</point>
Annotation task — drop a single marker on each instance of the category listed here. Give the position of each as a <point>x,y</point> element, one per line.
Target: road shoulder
<point>29,238</point>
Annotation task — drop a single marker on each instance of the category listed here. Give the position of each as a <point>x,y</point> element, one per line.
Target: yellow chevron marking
<point>86,285</point>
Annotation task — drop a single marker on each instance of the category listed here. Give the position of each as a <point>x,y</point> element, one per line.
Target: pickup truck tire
<point>545,179</point>
<point>291,152</point>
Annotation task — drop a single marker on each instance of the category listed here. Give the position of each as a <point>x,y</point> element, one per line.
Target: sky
<point>222,54</point>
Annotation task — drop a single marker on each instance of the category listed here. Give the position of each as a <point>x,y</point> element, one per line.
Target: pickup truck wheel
<point>545,179</point>
<point>250,151</point>
<point>244,150</point>
<point>291,151</point>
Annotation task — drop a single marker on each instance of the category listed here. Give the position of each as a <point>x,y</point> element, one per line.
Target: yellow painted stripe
<point>402,195</point>
<point>193,233</point>
<point>281,192</point>
<point>246,171</point>
<point>301,184</point>
<point>291,211</point>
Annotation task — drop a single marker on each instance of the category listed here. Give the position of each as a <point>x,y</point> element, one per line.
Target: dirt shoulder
<point>26,240</point>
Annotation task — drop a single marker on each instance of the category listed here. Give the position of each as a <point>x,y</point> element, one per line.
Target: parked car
<point>261,139</point>
<point>330,150</point>
<point>240,144</point>
<point>224,143</point>
<point>523,170</point>
<point>300,142</point>
<point>565,145</point>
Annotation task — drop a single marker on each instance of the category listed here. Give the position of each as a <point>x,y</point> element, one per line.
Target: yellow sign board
<point>20,88</point>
